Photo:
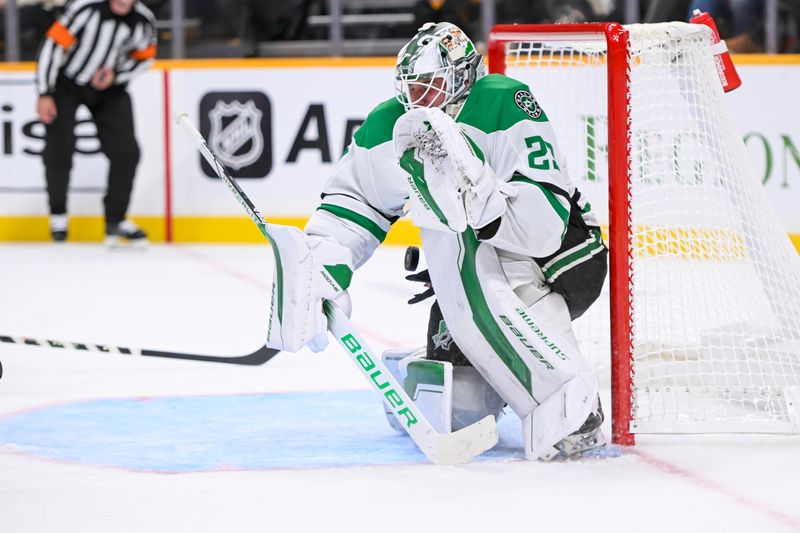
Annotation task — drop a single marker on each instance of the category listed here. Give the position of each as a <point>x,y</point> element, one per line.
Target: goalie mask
<point>437,67</point>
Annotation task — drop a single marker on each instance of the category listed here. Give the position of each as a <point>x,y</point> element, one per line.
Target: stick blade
<point>466,443</point>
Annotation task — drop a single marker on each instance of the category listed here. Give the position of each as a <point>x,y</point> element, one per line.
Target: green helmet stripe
<point>470,49</point>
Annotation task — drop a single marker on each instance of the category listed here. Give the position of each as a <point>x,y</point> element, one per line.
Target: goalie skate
<point>588,439</point>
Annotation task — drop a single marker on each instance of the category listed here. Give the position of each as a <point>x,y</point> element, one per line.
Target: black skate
<point>125,233</point>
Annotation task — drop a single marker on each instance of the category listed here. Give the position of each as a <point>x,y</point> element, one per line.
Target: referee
<point>88,57</point>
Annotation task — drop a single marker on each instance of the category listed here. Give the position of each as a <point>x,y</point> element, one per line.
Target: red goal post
<point>703,312</point>
<point>616,38</point>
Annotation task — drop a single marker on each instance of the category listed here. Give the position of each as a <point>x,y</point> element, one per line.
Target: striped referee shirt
<point>89,36</point>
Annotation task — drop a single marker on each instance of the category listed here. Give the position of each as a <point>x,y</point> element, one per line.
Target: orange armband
<point>61,35</point>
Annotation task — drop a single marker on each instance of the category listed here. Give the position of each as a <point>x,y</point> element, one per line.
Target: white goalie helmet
<point>436,68</point>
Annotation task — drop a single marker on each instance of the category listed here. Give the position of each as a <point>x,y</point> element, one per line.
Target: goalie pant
<point>526,350</point>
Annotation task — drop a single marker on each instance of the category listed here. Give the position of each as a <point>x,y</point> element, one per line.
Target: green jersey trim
<point>497,102</point>
<point>573,257</point>
<point>561,211</point>
<point>356,218</point>
<point>379,124</point>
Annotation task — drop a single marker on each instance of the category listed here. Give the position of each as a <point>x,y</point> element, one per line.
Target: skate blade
<point>607,451</point>
<point>113,242</point>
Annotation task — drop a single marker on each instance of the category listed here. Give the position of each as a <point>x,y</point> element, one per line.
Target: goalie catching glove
<point>308,269</point>
<point>451,186</point>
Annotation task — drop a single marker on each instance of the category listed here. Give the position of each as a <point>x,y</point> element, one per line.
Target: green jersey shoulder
<point>379,124</point>
<point>497,102</point>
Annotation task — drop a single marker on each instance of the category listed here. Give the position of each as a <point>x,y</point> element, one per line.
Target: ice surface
<point>105,442</point>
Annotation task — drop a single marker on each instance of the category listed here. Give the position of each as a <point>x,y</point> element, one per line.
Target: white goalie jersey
<point>368,189</point>
<point>497,279</point>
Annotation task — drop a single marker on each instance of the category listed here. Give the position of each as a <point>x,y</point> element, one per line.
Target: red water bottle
<point>727,72</point>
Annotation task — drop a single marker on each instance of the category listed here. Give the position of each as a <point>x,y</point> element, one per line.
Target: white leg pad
<point>473,398</point>
<point>561,414</point>
<point>450,397</point>
<point>428,383</point>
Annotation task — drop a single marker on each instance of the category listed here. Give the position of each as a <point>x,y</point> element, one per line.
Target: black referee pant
<point>113,115</point>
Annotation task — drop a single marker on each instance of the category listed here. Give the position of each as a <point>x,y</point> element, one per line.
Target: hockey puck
<point>411,260</point>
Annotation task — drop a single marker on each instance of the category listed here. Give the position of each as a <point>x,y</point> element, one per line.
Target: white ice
<point>212,299</point>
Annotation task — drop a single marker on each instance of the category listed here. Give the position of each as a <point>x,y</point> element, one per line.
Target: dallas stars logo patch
<point>526,102</point>
<point>442,339</point>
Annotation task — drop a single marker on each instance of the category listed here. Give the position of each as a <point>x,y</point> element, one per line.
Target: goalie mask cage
<point>702,321</point>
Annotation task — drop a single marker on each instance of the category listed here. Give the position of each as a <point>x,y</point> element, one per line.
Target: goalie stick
<point>441,448</point>
<point>259,357</point>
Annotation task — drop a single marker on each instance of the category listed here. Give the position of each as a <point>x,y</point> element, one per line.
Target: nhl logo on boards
<point>228,142</point>
<point>238,128</point>
<point>526,102</point>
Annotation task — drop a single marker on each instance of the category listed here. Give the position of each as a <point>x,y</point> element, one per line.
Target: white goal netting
<point>715,281</point>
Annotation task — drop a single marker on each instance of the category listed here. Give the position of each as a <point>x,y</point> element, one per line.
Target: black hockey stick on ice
<point>259,357</point>
<point>441,448</point>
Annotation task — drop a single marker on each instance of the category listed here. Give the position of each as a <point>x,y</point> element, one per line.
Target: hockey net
<point>703,313</point>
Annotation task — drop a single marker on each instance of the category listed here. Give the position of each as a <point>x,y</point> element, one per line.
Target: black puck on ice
<point>411,260</point>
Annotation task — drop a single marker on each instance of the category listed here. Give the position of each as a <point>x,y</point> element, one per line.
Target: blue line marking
<point>212,433</point>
